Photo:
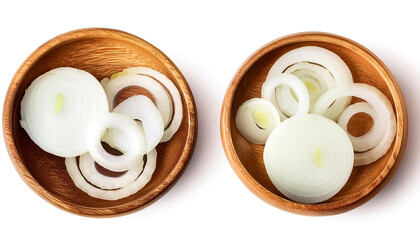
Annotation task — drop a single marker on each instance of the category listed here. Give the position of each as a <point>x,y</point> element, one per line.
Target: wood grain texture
<point>101,52</point>
<point>246,158</point>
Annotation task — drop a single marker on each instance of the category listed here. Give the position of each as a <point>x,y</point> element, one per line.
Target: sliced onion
<point>131,131</point>
<point>139,183</point>
<point>173,90</point>
<point>140,108</point>
<point>91,173</point>
<point>309,158</point>
<point>58,108</point>
<point>159,93</point>
<point>371,138</point>
<point>317,80</point>
<point>256,118</point>
<point>382,107</point>
<point>329,60</point>
<point>283,79</point>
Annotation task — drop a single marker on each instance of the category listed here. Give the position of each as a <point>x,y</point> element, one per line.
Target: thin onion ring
<point>173,91</point>
<point>381,105</point>
<point>131,130</point>
<point>371,138</point>
<point>91,173</point>
<point>159,93</point>
<point>270,84</point>
<point>139,183</point>
<point>329,60</point>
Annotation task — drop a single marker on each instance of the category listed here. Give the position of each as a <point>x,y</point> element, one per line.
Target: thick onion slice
<point>130,130</point>
<point>382,107</point>
<point>140,108</point>
<point>173,91</point>
<point>309,158</point>
<point>256,118</point>
<point>321,56</point>
<point>283,79</point>
<point>58,108</point>
<point>161,96</point>
<point>91,173</point>
<point>132,188</point>
<point>371,138</point>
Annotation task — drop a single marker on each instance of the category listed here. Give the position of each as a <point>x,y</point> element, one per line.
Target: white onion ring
<point>312,74</point>
<point>132,131</point>
<point>140,108</point>
<point>247,122</point>
<point>309,158</point>
<point>329,60</point>
<point>270,84</point>
<point>91,173</point>
<point>159,93</point>
<point>139,183</point>
<point>59,106</point>
<point>379,102</point>
<point>173,91</point>
<point>371,138</point>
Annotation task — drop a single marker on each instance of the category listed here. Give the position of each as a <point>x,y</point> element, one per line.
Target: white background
<point>208,42</point>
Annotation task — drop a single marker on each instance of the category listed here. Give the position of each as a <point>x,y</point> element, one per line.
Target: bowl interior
<point>100,52</point>
<point>247,158</point>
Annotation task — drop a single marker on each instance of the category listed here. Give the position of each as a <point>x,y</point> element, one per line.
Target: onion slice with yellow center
<point>308,158</point>
<point>256,118</point>
<point>58,108</point>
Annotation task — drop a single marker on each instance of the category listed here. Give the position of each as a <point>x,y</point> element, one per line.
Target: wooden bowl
<point>246,158</point>
<point>101,52</point>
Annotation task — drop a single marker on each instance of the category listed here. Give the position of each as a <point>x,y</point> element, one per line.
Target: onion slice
<point>139,183</point>
<point>321,56</point>
<point>309,158</point>
<point>140,108</point>
<point>317,80</point>
<point>371,138</point>
<point>256,118</point>
<point>91,173</point>
<point>130,130</point>
<point>173,91</point>
<point>58,108</point>
<point>382,106</point>
<point>162,98</point>
<point>283,79</point>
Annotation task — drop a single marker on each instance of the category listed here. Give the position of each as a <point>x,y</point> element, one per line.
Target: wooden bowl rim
<point>121,209</point>
<point>330,208</point>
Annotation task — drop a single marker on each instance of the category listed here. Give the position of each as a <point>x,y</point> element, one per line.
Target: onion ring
<point>140,108</point>
<point>139,183</point>
<point>91,173</point>
<point>132,131</point>
<point>371,138</point>
<point>379,102</point>
<point>161,96</point>
<point>270,84</point>
<point>173,91</point>
<point>329,60</point>
<point>256,118</point>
